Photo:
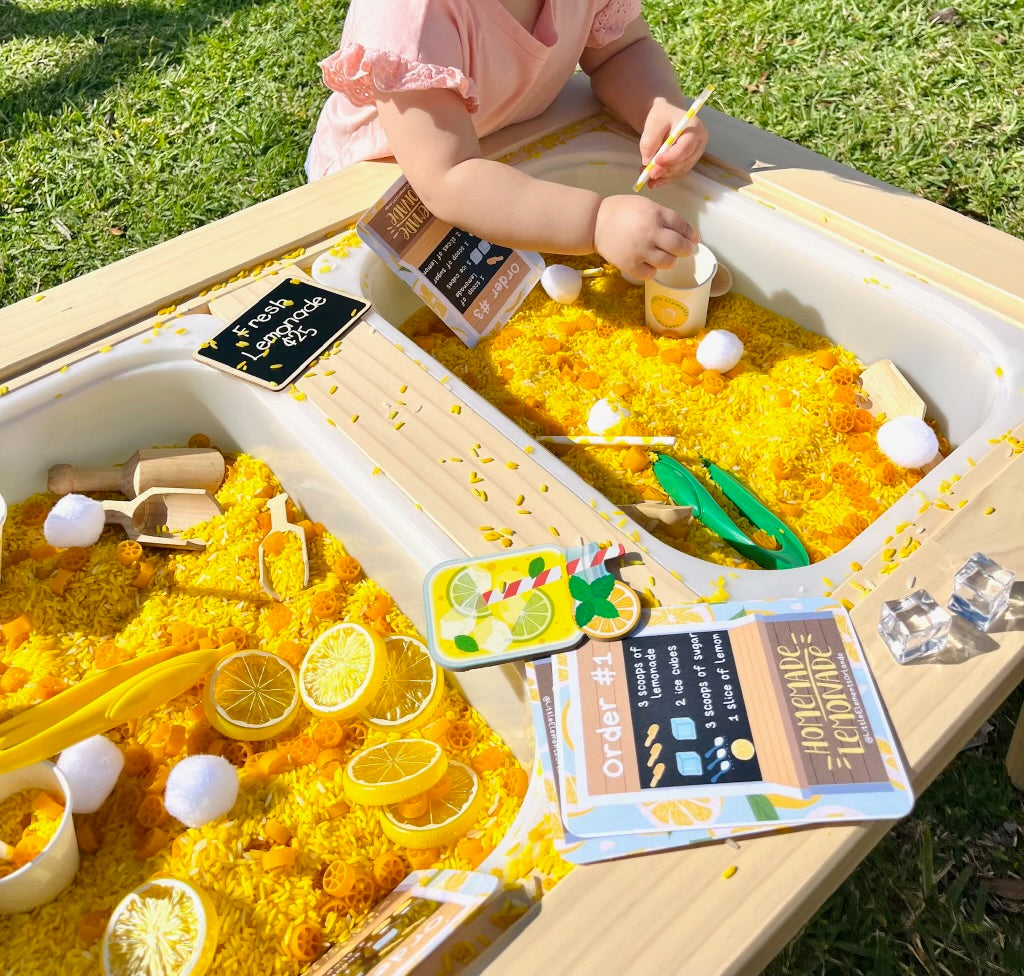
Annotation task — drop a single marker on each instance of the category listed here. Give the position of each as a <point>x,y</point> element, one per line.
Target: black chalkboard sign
<point>274,340</point>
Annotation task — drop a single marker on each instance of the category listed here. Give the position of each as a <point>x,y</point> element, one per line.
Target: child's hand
<point>639,236</point>
<point>680,157</point>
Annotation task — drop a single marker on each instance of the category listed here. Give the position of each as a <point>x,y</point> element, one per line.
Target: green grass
<point>125,124</point>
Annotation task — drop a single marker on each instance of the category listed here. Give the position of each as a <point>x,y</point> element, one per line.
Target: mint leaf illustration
<point>605,609</point>
<point>584,613</point>
<point>536,566</point>
<point>579,588</point>
<point>466,644</point>
<point>602,586</point>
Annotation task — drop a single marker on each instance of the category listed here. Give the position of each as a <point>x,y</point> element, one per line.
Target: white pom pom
<point>200,789</point>
<point>75,520</point>
<point>605,415</point>
<point>719,350</point>
<point>562,283</point>
<point>908,442</point>
<point>91,768</point>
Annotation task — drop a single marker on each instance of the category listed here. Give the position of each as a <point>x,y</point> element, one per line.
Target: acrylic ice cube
<point>981,591</point>
<point>914,627</point>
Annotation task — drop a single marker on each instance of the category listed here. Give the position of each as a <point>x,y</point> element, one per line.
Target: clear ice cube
<point>981,591</point>
<point>914,627</point>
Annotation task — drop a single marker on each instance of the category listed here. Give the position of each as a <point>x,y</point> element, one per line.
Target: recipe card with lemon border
<point>765,715</point>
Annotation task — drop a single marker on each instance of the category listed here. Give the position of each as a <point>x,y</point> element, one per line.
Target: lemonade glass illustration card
<point>273,341</point>
<point>766,714</point>
<point>472,285</point>
<point>519,603</point>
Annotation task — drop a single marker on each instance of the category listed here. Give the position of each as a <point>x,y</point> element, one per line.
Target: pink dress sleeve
<point>611,20</point>
<point>397,45</point>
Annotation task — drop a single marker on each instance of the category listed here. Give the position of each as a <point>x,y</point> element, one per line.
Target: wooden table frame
<point>673,912</point>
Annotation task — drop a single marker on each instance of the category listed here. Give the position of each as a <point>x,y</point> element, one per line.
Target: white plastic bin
<point>968,365</point>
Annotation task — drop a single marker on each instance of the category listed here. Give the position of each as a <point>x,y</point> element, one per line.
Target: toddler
<point>423,80</point>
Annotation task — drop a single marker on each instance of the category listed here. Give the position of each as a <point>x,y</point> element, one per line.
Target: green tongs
<point>685,489</point>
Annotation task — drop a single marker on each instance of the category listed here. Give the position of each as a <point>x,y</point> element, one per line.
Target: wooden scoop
<point>277,506</point>
<point>157,515</point>
<point>198,467</point>
<point>675,518</point>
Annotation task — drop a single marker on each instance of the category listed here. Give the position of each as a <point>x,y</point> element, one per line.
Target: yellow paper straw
<point>596,440</point>
<point>677,130</point>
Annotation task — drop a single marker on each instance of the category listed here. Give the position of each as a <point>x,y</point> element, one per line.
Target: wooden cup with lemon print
<point>676,298</point>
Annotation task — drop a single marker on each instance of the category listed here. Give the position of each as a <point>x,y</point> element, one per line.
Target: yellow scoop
<point>97,704</point>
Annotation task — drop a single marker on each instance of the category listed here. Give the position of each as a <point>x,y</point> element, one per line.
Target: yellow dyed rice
<point>208,591</point>
<point>552,362</point>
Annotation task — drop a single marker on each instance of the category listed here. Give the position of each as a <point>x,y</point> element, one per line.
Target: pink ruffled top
<point>505,73</point>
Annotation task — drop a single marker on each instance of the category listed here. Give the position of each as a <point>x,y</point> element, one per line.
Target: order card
<point>277,337</point>
<point>686,824</point>
<point>412,922</point>
<point>768,713</point>
<point>472,285</point>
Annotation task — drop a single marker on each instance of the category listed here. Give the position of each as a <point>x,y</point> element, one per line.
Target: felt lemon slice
<point>450,812</point>
<point>391,772</point>
<point>627,605</point>
<point>342,671</point>
<point>251,695</point>
<point>165,927</point>
<point>412,688</point>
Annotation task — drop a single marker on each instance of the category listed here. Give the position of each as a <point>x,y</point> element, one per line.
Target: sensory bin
<point>786,420</point>
<point>267,867</point>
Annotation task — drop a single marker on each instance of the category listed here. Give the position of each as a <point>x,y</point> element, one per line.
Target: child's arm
<point>433,140</point>
<point>635,79</point>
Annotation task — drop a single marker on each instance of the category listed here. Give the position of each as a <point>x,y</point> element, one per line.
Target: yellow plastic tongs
<point>97,704</point>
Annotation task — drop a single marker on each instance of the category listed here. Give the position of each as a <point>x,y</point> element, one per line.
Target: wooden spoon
<point>188,467</point>
<point>157,515</point>
<point>277,506</point>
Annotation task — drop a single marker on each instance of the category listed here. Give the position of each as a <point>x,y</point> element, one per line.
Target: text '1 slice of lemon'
<point>450,813</point>
<point>627,604</point>
<point>391,772</point>
<point>412,688</point>
<point>165,927</point>
<point>342,671</point>
<point>251,695</point>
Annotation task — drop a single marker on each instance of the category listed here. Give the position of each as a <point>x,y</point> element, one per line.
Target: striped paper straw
<point>527,583</point>
<point>677,131</point>
<point>599,440</point>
